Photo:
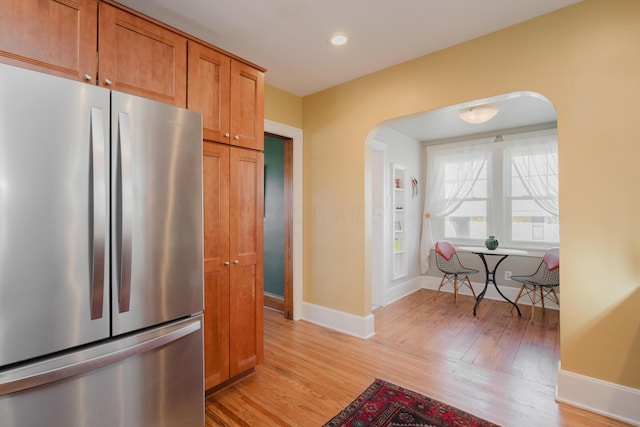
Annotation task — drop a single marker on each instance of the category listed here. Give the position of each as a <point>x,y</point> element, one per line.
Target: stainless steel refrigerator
<point>101,263</point>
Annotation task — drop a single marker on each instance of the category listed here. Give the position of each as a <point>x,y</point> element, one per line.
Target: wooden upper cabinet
<point>140,57</point>
<point>247,106</point>
<point>230,96</point>
<point>53,36</point>
<point>208,90</point>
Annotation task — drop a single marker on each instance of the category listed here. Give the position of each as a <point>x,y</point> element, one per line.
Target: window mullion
<point>495,201</point>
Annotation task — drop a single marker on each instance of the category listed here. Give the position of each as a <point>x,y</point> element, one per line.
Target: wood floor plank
<point>494,340</point>
<point>310,373</point>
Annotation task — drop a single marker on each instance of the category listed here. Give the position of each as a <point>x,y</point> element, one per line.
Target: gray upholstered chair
<point>449,264</point>
<point>543,282</point>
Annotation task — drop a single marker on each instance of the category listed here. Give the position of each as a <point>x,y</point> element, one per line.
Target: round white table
<point>491,274</point>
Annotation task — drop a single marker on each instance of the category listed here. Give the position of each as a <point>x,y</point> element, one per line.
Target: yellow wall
<point>586,60</point>
<point>282,107</point>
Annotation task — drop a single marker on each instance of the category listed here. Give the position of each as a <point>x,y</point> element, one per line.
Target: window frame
<point>499,199</point>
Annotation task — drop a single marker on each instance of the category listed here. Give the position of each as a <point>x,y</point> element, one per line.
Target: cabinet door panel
<point>245,348</point>
<point>246,247</point>
<point>142,58</point>
<point>216,328</point>
<point>247,106</point>
<point>216,253</point>
<point>53,36</point>
<point>216,205</point>
<point>208,90</point>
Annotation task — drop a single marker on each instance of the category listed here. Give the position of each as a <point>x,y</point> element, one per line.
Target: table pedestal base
<point>491,278</point>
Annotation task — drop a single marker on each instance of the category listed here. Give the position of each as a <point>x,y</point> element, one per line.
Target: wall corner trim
<point>602,397</point>
<point>357,326</point>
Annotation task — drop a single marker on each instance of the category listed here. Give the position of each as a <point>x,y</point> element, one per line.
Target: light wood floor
<point>496,366</point>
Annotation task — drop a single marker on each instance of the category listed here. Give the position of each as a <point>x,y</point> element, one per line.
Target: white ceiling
<point>515,111</point>
<point>290,38</point>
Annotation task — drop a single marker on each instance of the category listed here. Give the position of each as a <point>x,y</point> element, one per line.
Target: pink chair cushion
<point>445,249</point>
<point>552,258</point>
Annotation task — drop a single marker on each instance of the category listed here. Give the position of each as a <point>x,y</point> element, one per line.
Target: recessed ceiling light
<point>339,40</point>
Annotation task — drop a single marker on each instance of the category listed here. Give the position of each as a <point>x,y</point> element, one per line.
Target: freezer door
<point>156,212</point>
<point>53,214</point>
<point>149,379</point>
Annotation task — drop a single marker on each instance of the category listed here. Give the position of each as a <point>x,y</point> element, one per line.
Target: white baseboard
<point>432,282</point>
<point>361,327</point>
<point>608,399</point>
<point>601,397</point>
<point>402,290</point>
<point>357,326</point>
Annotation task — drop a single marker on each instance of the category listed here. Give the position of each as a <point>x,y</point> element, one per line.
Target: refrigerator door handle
<point>94,358</point>
<point>125,213</point>
<point>98,209</point>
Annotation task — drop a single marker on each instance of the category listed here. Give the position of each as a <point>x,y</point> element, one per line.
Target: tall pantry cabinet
<point>233,252</point>
<point>230,96</point>
<point>101,42</point>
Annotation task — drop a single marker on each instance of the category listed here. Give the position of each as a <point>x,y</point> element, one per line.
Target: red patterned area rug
<point>386,404</point>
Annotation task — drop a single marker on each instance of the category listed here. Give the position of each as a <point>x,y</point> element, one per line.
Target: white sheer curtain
<point>451,174</point>
<point>535,161</point>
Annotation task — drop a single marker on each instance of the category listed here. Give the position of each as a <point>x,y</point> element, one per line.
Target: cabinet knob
<point>236,137</point>
<point>235,261</point>
<point>226,263</point>
<point>88,77</point>
<point>107,81</point>
<point>226,135</point>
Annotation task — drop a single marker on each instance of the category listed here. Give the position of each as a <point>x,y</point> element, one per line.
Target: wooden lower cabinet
<point>234,266</point>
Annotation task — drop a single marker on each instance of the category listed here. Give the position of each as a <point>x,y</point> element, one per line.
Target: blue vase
<point>491,243</point>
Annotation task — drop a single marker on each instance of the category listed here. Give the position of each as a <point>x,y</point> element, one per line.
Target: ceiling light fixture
<point>339,40</point>
<point>478,114</point>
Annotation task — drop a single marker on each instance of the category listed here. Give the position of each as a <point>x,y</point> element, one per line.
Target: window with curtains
<point>469,219</point>
<point>508,189</point>
<point>532,194</point>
